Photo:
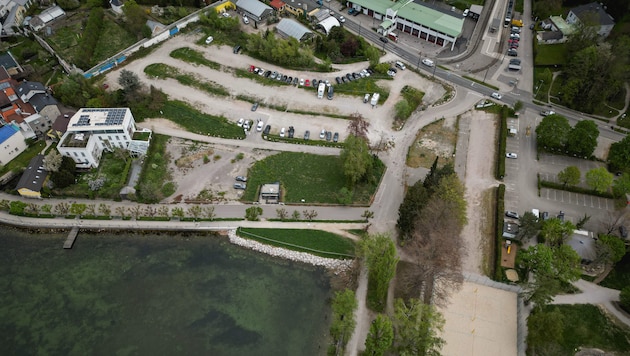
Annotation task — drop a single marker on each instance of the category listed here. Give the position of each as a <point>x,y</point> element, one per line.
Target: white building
<point>11,143</point>
<point>592,15</point>
<point>92,131</point>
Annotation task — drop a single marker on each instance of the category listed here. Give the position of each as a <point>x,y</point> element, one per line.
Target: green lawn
<point>587,326</point>
<point>198,122</point>
<point>364,86</point>
<point>310,240</point>
<point>161,70</point>
<point>113,39</point>
<point>189,55</point>
<point>113,169</point>
<point>619,277</point>
<point>551,54</point>
<point>155,179</point>
<point>314,178</point>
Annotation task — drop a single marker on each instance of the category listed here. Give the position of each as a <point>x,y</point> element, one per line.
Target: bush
<point>500,208</point>
<point>624,298</point>
<point>503,114</point>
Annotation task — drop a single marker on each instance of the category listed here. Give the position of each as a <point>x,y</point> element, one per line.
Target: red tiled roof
<point>277,4</point>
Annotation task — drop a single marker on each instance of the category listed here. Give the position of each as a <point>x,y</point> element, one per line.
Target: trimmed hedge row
<point>503,113</point>
<point>498,216</point>
<point>575,189</point>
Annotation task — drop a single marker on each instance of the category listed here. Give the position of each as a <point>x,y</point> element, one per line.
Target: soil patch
<point>435,140</point>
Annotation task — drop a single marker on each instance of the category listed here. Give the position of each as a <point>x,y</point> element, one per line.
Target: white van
<point>428,62</point>
<point>536,213</point>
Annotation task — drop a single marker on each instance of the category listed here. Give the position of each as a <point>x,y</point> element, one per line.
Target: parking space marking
<point>577,199</point>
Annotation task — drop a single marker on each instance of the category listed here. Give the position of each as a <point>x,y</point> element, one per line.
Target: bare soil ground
<point>436,139</point>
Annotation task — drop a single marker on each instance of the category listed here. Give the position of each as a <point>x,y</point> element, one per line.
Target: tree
<point>450,189</point>
<point>569,176</point>
<point>195,211</point>
<point>417,327</point>
<point>415,199</point>
<point>282,213</point>
<point>555,231</point>
<point>613,220</point>
<point>129,81</point>
<point>518,105</point>
<point>120,210</point>
<point>135,211</point>
<point>529,226</point>
<point>582,139</point>
<point>134,16</point>
<point>208,211</point>
<point>401,109</point>
<point>544,327</point>
<point>296,215</point>
<point>367,215</point>
<point>252,213</point>
<point>163,211</point>
<point>64,177</point>
<point>356,159</point>
<point>552,132</point>
<point>104,209</point>
<point>309,214</point>
<point>379,254</point>
<point>619,155</point>
<point>52,161</point>
<point>599,179</point>
<point>345,196</point>
<point>621,185</point>
<point>380,336</point>
<point>358,126</point>
<point>583,220</point>
<point>344,304</point>
<point>178,212</point>
<point>610,249</point>
<point>624,298</point>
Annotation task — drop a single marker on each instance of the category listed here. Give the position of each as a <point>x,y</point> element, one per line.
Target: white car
<point>427,62</point>
<point>245,20</point>
<point>246,125</point>
<point>260,125</point>
<point>466,12</point>
<point>342,19</point>
<point>301,82</point>
<point>209,39</point>
<point>511,155</point>
<point>400,65</point>
<point>240,122</point>
<point>322,134</point>
<point>225,14</point>
<point>496,95</point>
<point>282,132</point>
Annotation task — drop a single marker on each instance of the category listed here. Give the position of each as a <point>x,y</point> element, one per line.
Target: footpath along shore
<point>200,226</point>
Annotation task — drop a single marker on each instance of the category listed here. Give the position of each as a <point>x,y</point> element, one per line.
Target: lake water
<point>155,295</point>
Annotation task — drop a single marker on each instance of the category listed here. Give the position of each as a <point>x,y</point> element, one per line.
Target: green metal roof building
<point>414,19</point>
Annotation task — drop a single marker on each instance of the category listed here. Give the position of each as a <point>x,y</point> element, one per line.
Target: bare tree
<point>90,209</point>
<point>33,208</point>
<point>135,211</point>
<point>296,215</point>
<point>150,211</point>
<point>104,209</point>
<point>195,211</point>
<point>209,212</point>
<point>282,213</point>
<point>120,210</point>
<point>613,220</point>
<point>436,252</point>
<point>309,214</point>
<point>163,211</point>
<point>62,208</point>
<point>358,126</point>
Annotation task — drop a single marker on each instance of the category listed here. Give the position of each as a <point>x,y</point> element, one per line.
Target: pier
<point>71,238</point>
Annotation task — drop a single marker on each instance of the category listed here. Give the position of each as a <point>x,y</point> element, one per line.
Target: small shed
<point>254,9</point>
<point>270,193</point>
<point>475,12</point>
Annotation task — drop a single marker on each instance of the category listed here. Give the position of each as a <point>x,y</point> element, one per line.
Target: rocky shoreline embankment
<point>335,265</point>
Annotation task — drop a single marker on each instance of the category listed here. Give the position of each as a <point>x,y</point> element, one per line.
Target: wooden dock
<point>71,238</point>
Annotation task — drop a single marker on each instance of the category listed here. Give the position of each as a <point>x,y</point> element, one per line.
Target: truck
<point>393,36</point>
<point>375,98</point>
<point>494,26</point>
<point>517,21</point>
<point>320,90</point>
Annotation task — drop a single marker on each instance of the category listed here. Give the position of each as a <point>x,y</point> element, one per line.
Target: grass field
<point>551,54</point>
<point>198,122</point>
<point>302,240</point>
<point>113,39</point>
<point>160,70</point>
<point>586,326</point>
<point>314,178</point>
<point>189,55</point>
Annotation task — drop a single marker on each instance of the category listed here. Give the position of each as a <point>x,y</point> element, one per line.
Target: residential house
<point>291,28</point>
<point>254,9</point>
<point>277,5</point>
<point>10,64</point>
<point>94,130</point>
<point>12,143</point>
<point>60,126</point>
<point>592,15</point>
<point>33,178</point>
<point>418,20</point>
<point>12,15</point>
<point>299,8</point>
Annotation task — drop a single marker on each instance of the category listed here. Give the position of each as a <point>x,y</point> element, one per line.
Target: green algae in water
<point>155,295</point>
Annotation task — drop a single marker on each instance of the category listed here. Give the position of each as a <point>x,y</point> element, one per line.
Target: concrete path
<point>594,294</point>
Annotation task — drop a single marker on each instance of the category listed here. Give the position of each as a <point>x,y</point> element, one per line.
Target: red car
<point>251,68</point>
<point>307,83</point>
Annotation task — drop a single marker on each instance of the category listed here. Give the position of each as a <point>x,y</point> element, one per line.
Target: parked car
<point>236,49</point>
<point>307,83</point>
<point>273,75</point>
<point>260,125</point>
<point>284,78</point>
<point>328,135</point>
<point>322,134</point>
<point>336,137</point>
<point>225,14</point>
<point>365,71</point>
<point>255,106</point>
<point>267,130</point>
<point>511,155</point>
<point>400,65</point>
<point>307,135</point>
<point>291,131</point>
<point>465,14</point>
<point>366,98</point>
<point>384,39</point>
<point>350,77</point>
<point>267,74</point>
<point>209,39</point>
<point>279,77</point>
<point>531,27</point>
<point>338,80</point>
<point>242,186</point>
<point>241,178</point>
<point>512,52</point>
<point>245,20</point>
<point>427,62</point>
<point>342,19</point>
<point>623,231</point>
<point>282,132</point>
<point>391,73</point>
<point>370,71</point>
<point>547,112</point>
<point>295,81</point>
<point>247,125</point>
<point>545,215</point>
<point>351,11</point>
<point>301,82</point>
<point>263,72</point>
<point>314,83</point>
<point>240,122</point>
<point>496,95</point>
<point>511,214</point>
<point>330,93</point>
<point>515,61</point>
<point>344,79</point>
